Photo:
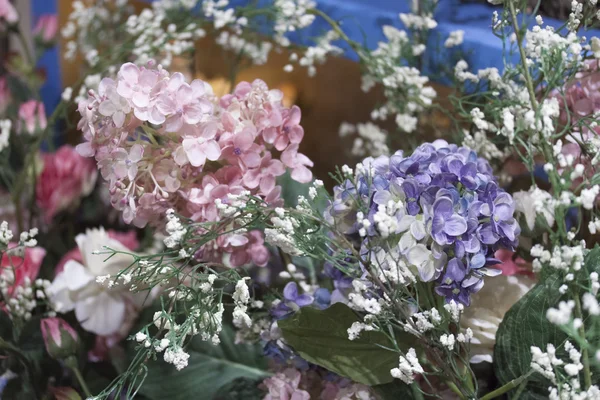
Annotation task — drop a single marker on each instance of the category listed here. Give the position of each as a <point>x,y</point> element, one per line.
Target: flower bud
<point>46,28</point>
<point>8,13</point>
<point>32,117</point>
<point>60,339</point>
<point>65,393</point>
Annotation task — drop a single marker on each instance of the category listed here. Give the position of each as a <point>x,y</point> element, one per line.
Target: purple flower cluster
<point>440,207</point>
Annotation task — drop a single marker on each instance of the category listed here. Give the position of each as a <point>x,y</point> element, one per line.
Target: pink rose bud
<point>8,12</point>
<point>60,339</point>
<point>65,393</point>
<point>46,28</point>
<point>32,116</point>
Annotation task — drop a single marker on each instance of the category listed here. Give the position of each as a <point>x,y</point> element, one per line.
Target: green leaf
<point>290,190</point>
<point>321,337</point>
<point>210,367</point>
<point>397,390</point>
<point>6,327</point>
<point>525,325</point>
<point>240,389</point>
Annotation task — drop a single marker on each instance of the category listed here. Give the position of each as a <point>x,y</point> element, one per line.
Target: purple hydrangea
<point>292,301</point>
<point>451,209</point>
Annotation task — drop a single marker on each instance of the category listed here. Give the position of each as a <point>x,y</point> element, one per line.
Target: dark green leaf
<point>210,368</point>
<point>321,337</point>
<point>525,325</point>
<point>6,327</point>
<point>396,390</point>
<point>241,389</point>
<point>31,341</point>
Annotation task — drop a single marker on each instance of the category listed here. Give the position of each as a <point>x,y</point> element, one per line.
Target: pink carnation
<point>193,149</point>
<point>32,116</point>
<point>65,178</point>
<point>21,270</point>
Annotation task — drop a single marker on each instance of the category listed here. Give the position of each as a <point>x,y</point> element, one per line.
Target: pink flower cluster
<point>66,177</point>
<point>294,384</point>
<point>582,96</point>
<point>284,386</point>
<point>163,143</point>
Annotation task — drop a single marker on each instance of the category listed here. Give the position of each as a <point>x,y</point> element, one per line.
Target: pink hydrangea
<point>163,143</point>
<point>582,95</point>
<point>284,386</point>
<point>32,116</point>
<point>65,178</point>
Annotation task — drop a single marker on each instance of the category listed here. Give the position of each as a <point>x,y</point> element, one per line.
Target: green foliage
<point>6,327</point>
<point>210,368</point>
<point>290,190</point>
<point>398,390</point>
<point>240,389</point>
<point>525,325</point>
<point>321,337</point>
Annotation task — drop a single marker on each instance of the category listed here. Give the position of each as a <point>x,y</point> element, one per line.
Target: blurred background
<point>327,100</point>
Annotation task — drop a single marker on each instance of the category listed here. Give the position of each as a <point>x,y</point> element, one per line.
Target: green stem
<point>585,356</point>
<point>21,179</point>
<point>507,387</point>
<point>28,54</point>
<point>456,390</point>
<point>71,362</point>
<point>469,379</point>
<point>546,148</point>
<point>337,29</point>
<point>520,390</point>
<point>526,74</point>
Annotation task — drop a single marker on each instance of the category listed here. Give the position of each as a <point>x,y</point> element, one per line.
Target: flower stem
<point>456,390</point>
<point>585,357</point>
<point>336,27</point>
<point>28,53</point>
<point>528,80</point>
<point>73,365</point>
<point>507,387</point>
